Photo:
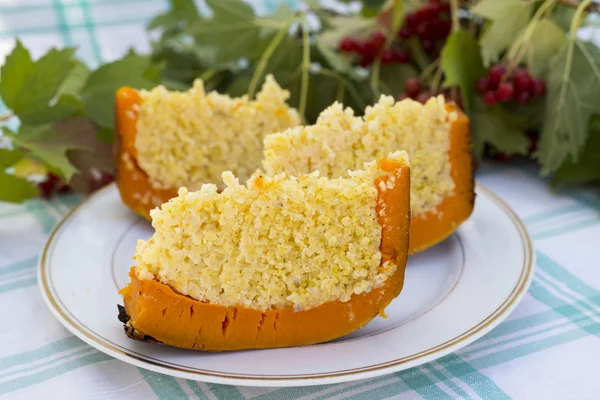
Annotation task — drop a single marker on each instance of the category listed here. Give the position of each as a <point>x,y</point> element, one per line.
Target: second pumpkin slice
<point>435,135</point>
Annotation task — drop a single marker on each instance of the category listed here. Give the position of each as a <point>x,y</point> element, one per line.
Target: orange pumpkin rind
<point>157,313</point>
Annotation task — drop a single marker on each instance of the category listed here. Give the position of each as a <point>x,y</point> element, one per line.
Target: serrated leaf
<point>233,31</point>
<point>9,158</point>
<point>75,81</point>
<point>283,13</point>
<point>492,126</point>
<point>66,105</point>
<point>587,167</point>
<point>46,144</point>
<point>545,42</point>
<point>563,15</point>
<point>43,81</point>
<point>462,65</point>
<point>181,11</point>
<point>13,74</point>
<point>98,95</point>
<point>89,152</point>
<point>573,84</point>
<point>509,18</point>
<point>15,189</point>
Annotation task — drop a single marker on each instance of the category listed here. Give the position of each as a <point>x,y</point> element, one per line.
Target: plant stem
<point>7,116</point>
<point>454,13</point>
<point>305,68</point>
<point>429,70</point>
<point>208,74</point>
<point>437,78</point>
<point>417,51</point>
<point>516,52</point>
<point>264,59</point>
<point>576,21</point>
<point>347,84</point>
<point>398,14</point>
<point>575,4</point>
<point>375,68</point>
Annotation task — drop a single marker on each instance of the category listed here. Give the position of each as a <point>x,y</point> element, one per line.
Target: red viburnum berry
<point>387,56</point>
<point>523,98</point>
<point>538,87</point>
<point>522,80</point>
<point>348,45</point>
<point>483,85</point>
<point>401,56</point>
<point>496,73</point>
<point>505,91</point>
<point>412,87</point>
<point>423,97</point>
<point>490,98</point>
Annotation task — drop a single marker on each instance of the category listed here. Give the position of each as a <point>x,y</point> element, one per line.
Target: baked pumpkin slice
<point>167,140</point>
<point>276,262</point>
<point>435,135</point>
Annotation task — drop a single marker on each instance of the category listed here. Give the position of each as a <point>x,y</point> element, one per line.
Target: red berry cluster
<point>431,24</point>
<point>413,89</point>
<point>500,86</point>
<point>369,49</point>
<point>53,184</point>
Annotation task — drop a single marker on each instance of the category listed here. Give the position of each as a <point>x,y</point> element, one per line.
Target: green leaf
<point>14,73</point>
<point>181,11</point>
<point>99,92</point>
<point>66,105</point>
<point>497,128</point>
<point>393,76</point>
<point>9,157</point>
<point>587,167</point>
<point>74,83</point>
<point>563,15</point>
<point>573,84</point>
<point>545,42</point>
<point>462,65</point>
<point>233,31</point>
<point>46,144</point>
<point>16,190</point>
<point>371,7</point>
<point>509,18</point>
<point>43,81</point>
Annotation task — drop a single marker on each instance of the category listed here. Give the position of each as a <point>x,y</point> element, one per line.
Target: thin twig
<point>264,59</point>
<point>575,4</point>
<point>305,69</point>
<point>454,13</point>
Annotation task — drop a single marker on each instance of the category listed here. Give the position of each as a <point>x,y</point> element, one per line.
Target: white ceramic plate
<point>454,293</point>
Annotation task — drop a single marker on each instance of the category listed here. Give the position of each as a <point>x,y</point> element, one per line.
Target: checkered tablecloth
<point>547,349</point>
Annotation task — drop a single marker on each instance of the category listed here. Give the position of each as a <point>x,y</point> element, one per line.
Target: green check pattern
<point>548,348</point>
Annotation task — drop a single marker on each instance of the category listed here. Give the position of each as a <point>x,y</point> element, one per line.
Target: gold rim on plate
<point>120,352</point>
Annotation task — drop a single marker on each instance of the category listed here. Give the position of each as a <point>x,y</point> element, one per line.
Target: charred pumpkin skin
<point>426,230</point>
<point>160,313</point>
<point>434,226</point>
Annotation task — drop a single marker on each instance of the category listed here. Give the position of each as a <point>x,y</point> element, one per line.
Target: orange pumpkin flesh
<point>134,185</point>
<point>157,312</point>
<point>432,227</point>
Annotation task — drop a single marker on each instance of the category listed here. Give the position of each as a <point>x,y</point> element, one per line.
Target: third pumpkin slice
<point>436,135</point>
<point>168,139</point>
